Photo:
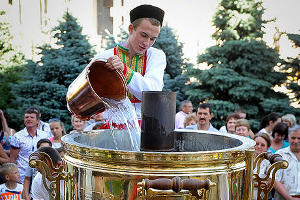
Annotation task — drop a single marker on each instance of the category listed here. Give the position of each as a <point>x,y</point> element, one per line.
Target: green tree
<point>241,67</point>
<point>11,62</point>
<point>48,79</point>
<point>113,41</point>
<point>174,77</point>
<point>293,68</point>
<point>237,20</point>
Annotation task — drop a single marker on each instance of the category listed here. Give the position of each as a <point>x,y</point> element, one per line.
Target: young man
<point>142,65</point>
<point>24,142</point>
<point>204,115</point>
<point>11,189</point>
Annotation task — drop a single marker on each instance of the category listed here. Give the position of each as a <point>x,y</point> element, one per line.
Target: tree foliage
<point>241,70</point>
<point>293,68</point>
<point>174,77</point>
<point>11,61</point>
<point>237,20</point>
<point>47,80</point>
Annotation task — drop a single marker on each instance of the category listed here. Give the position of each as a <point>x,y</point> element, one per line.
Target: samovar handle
<point>263,185</point>
<point>177,184</point>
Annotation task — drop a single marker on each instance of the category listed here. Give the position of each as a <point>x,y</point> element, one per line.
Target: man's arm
<point>26,185</point>
<point>280,188</point>
<point>3,156</point>
<point>14,154</point>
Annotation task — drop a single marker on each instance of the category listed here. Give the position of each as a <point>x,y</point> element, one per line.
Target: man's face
<point>294,140</point>
<point>188,108</point>
<point>30,120</point>
<point>143,37</point>
<point>204,116</point>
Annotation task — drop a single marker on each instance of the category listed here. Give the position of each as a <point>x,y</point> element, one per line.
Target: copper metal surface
<point>87,93</point>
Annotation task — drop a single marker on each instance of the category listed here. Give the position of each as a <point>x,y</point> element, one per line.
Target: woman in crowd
<point>263,143</point>
<point>289,119</point>
<point>230,123</point>
<point>190,119</point>
<point>6,132</point>
<point>58,130</point>
<point>280,132</point>
<point>77,124</point>
<point>268,123</point>
<point>242,128</point>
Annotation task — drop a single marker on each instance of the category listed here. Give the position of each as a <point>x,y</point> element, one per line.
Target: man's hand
<point>115,63</point>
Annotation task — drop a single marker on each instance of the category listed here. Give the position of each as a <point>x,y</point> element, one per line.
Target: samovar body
<point>226,161</point>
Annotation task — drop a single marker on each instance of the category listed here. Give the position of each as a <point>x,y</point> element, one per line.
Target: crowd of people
<point>16,176</point>
<point>277,134</point>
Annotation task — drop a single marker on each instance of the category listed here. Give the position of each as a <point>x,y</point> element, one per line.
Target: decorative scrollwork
<point>265,184</point>
<point>43,163</point>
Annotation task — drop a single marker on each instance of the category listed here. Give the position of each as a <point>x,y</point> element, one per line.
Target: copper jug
<point>88,93</point>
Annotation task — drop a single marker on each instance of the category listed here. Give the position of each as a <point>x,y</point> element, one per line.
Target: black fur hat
<point>147,11</point>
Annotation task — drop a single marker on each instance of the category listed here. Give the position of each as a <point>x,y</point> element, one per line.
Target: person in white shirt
<point>24,142</point>
<point>141,64</point>
<point>186,108</point>
<point>39,190</point>
<point>204,115</point>
<point>268,123</point>
<point>287,184</point>
<point>12,189</point>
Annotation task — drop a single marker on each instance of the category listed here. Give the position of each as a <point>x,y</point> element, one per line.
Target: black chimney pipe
<point>158,121</point>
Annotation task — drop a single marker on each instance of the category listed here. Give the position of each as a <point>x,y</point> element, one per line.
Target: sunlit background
<point>31,22</point>
<point>190,19</point>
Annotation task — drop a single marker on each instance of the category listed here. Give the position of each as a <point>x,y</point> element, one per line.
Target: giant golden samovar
<point>204,165</point>
<point>101,164</point>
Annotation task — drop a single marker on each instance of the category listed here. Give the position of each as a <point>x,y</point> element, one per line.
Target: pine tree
<point>293,68</point>
<point>47,80</point>
<point>11,62</point>
<point>174,77</point>
<point>237,20</point>
<point>241,67</point>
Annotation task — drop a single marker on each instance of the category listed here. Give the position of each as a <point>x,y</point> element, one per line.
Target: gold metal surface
<point>112,174</point>
<point>43,163</point>
<point>265,184</point>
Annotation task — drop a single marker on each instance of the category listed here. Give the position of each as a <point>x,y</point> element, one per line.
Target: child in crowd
<point>11,189</point>
<point>58,130</point>
<point>242,128</point>
<point>190,119</point>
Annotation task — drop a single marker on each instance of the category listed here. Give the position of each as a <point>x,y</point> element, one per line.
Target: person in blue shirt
<point>280,132</point>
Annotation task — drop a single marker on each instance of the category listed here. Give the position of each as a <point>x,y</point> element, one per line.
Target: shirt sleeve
<point>153,78</point>
<point>15,142</point>
<point>28,171</point>
<point>37,189</point>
